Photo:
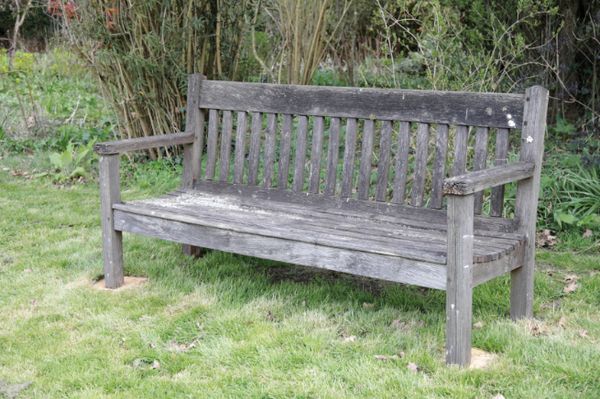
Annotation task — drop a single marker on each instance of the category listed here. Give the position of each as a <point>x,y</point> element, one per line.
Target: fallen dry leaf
<point>562,322</point>
<point>412,367</point>
<point>479,324</point>
<point>499,396</point>
<point>545,239</point>
<point>583,333</point>
<point>351,338</point>
<point>571,283</point>
<point>536,327</point>
<point>155,365</point>
<point>481,359</point>
<point>367,305</point>
<point>587,233</point>
<point>387,357</point>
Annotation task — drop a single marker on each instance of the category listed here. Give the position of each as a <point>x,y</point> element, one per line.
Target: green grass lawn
<point>232,326</point>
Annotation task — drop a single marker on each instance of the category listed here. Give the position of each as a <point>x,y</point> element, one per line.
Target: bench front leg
<point>459,280</point>
<point>112,240</point>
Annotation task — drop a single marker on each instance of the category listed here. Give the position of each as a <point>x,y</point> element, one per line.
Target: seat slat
<point>213,117</point>
<point>420,164</point>
<point>286,144</point>
<point>401,167</point>
<point>227,126</point>
<point>439,167</point>
<point>497,200</point>
<point>240,148</point>
<point>383,165</point>
<point>315,155</point>
<point>349,150</point>
<point>269,150</point>
<point>254,153</point>
<point>479,162</point>
<point>300,153</point>
<point>332,156</point>
<point>364,176</point>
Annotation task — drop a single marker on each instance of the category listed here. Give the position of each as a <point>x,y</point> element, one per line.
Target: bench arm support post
<point>459,279</point>
<point>112,240</point>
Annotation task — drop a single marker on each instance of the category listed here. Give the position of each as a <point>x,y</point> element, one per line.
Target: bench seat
<point>362,236</point>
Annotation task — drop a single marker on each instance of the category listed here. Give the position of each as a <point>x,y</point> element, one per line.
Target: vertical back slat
<point>226,127</point>
<point>286,145</point>
<point>460,150</point>
<point>497,200</point>
<point>364,177</point>
<point>349,149</point>
<point>315,154</point>
<point>212,144</point>
<point>269,149</point>
<point>439,167</point>
<point>253,156</point>
<point>479,162</point>
<point>383,165</point>
<point>240,148</point>
<point>332,156</point>
<point>420,164</point>
<point>401,167</point>
<point>300,153</point>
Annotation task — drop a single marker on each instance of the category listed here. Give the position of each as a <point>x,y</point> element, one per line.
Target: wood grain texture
<point>254,152</point>
<point>270,136</point>
<point>286,145</point>
<point>473,182</point>
<point>112,240</point>
<point>211,151</point>
<point>383,165</point>
<point>364,174</point>
<point>401,167</point>
<point>224,158</point>
<point>420,164</point>
<point>240,148</point>
<point>439,167</point>
<point>532,150</point>
<point>479,161</point>
<point>349,153</point>
<point>300,159</point>
<point>315,154</point>
<point>474,109</point>
<point>461,140</point>
<point>497,197</point>
<point>332,156</point>
<point>143,143</point>
<point>459,280</point>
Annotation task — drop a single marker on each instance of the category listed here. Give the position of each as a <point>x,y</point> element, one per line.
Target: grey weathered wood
<point>364,175</point>
<point>315,155</point>
<point>254,152</point>
<point>301,253</point>
<point>532,150</point>
<point>300,159</point>
<point>286,145</point>
<point>332,156</point>
<point>240,148</point>
<point>473,182</point>
<point>385,144</point>
<point>401,167</point>
<point>224,158</point>
<point>349,149</point>
<point>484,272</point>
<point>213,136</point>
<point>474,109</point>
<point>459,280</point>
<point>461,139</point>
<point>112,241</point>
<point>479,161</point>
<point>270,136</point>
<point>497,197</point>
<point>420,164</point>
<point>439,167</point>
<point>143,143</point>
<point>192,153</point>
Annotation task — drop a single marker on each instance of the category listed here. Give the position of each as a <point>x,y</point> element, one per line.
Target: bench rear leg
<point>190,250</point>
<point>459,283</point>
<point>112,240</point>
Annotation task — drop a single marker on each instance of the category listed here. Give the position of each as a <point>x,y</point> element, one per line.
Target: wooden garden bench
<point>353,180</point>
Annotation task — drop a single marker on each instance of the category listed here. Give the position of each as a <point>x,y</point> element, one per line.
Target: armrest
<point>143,143</point>
<point>473,182</point>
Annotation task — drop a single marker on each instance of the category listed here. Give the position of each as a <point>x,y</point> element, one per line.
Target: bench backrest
<point>371,144</point>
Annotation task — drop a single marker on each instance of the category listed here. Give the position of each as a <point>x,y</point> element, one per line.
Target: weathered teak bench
<point>353,180</point>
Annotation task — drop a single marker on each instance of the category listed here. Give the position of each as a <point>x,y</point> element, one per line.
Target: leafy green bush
<point>72,163</point>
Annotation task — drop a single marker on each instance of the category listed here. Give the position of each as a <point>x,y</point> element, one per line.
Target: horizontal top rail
<point>458,108</point>
<point>143,143</point>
